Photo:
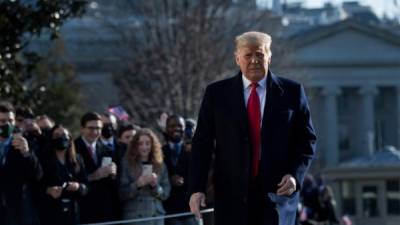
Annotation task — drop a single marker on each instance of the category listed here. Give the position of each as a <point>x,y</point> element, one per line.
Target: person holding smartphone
<point>144,180</point>
<point>19,169</point>
<point>64,180</point>
<point>101,203</point>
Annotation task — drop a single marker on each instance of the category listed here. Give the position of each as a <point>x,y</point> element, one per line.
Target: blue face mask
<point>6,130</point>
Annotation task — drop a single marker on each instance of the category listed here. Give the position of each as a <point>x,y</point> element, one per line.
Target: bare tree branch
<point>178,47</point>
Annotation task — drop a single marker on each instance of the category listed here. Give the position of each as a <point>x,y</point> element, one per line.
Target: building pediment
<point>347,43</point>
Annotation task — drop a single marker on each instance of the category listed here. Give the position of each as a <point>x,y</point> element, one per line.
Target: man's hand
<point>177,180</point>
<point>287,185</point>
<point>113,170</point>
<point>54,191</point>
<point>100,173</point>
<point>196,200</point>
<point>20,144</point>
<point>73,186</point>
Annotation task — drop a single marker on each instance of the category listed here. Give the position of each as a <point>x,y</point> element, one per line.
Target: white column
<point>368,118</point>
<point>331,125</point>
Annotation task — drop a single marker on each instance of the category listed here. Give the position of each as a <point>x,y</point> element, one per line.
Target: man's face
<point>92,130</point>
<point>109,126</point>
<point>20,122</point>
<point>8,117</point>
<point>109,120</point>
<point>253,61</point>
<point>175,129</point>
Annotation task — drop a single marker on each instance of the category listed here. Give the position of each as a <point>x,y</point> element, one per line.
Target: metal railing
<point>200,221</point>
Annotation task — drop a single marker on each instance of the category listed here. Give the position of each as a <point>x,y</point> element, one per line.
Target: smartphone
<point>105,161</point>
<point>147,169</point>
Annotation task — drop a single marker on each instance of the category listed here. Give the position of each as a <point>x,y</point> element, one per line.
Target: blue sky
<point>391,7</point>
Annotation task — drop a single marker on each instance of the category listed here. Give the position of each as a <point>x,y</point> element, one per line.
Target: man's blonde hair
<point>255,38</point>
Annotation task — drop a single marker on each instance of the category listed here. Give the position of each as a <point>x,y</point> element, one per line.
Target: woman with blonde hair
<point>144,180</point>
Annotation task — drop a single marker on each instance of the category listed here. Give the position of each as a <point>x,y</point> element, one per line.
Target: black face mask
<point>107,131</point>
<point>6,130</point>
<point>60,143</point>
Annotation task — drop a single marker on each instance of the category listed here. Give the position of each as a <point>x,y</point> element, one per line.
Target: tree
<point>20,22</point>
<point>178,47</point>
<point>58,87</point>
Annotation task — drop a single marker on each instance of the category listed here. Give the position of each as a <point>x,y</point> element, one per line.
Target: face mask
<point>6,130</point>
<point>60,143</point>
<point>107,131</point>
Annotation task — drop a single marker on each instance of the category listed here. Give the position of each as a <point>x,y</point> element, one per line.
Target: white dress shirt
<point>261,91</point>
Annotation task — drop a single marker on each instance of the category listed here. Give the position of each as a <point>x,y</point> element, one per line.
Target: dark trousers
<point>261,210</point>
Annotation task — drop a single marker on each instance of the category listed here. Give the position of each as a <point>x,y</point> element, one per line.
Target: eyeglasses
<point>94,128</point>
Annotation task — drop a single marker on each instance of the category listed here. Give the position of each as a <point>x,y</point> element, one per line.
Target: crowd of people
<point>114,170</point>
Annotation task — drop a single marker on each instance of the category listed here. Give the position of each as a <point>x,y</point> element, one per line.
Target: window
<point>370,201</point>
<point>393,197</point>
<point>348,198</point>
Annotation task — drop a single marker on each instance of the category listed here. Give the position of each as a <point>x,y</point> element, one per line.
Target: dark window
<point>370,201</point>
<point>393,197</point>
<point>348,198</point>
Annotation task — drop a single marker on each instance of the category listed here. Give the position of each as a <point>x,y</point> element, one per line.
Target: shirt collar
<point>87,143</point>
<point>246,82</point>
<point>108,141</point>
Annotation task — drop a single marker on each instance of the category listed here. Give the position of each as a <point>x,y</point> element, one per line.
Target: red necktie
<point>254,116</point>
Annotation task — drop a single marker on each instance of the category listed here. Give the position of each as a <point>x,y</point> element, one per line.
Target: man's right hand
<point>177,180</point>
<point>54,191</point>
<point>100,173</point>
<point>196,200</point>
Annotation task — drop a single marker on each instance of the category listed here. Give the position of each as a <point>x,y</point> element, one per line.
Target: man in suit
<point>259,129</point>
<point>176,157</point>
<point>101,202</point>
<point>108,131</point>
<point>109,139</point>
<point>19,169</point>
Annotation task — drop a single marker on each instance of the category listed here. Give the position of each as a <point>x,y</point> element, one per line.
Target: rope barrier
<point>200,221</point>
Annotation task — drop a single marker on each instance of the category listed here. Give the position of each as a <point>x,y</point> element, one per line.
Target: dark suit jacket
<point>118,152</point>
<point>17,177</point>
<point>101,202</point>
<point>287,143</point>
<point>179,196</point>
